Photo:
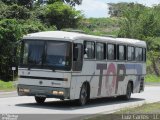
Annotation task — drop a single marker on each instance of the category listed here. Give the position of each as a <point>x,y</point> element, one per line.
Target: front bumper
<point>40,91</point>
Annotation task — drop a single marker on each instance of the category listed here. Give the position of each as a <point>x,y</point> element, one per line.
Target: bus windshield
<point>46,54</point>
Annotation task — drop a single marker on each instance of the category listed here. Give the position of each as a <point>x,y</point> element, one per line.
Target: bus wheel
<point>40,100</point>
<point>83,95</point>
<point>128,91</point>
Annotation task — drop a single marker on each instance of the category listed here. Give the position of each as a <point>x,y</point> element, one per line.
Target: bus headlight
<point>26,90</point>
<point>20,90</point>
<point>60,92</point>
<point>57,92</point>
<point>23,90</point>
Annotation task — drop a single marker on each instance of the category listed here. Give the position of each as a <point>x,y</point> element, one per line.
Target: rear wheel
<point>127,96</point>
<point>83,97</point>
<point>40,100</point>
<point>128,91</point>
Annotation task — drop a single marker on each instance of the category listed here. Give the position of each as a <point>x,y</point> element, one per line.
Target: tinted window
<point>48,54</point>
<point>121,52</point>
<point>33,52</point>
<point>77,55</point>
<point>130,54</point>
<point>139,54</point>
<point>57,54</point>
<point>100,51</point>
<point>89,51</point>
<point>111,51</point>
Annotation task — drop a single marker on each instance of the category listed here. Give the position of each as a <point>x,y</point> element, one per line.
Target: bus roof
<point>71,36</point>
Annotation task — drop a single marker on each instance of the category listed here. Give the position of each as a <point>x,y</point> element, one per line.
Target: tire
<point>40,100</point>
<point>128,91</point>
<point>83,97</point>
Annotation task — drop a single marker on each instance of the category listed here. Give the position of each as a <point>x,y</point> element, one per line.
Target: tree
<point>62,16</point>
<point>10,32</point>
<point>31,3</point>
<point>17,12</point>
<point>133,22</point>
<point>143,23</point>
<point>117,9</point>
<point>70,2</point>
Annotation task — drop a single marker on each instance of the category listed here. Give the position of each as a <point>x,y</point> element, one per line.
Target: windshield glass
<point>33,52</point>
<point>46,54</point>
<point>57,54</point>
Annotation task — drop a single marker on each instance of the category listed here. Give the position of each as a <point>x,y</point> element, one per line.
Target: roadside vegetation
<point>7,86</point>
<point>152,78</point>
<point>152,108</point>
<point>146,109</point>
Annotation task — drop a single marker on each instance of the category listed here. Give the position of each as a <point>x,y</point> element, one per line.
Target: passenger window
<point>89,51</point>
<point>139,54</point>
<point>131,52</point>
<point>121,52</point>
<point>111,52</point>
<point>77,57</point>
<point>100,51</point>
<point>77,52</point>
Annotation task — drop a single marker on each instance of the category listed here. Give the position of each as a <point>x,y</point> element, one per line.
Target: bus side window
<point>100,51</point>
<point>130,53</point>
<point>139,54</point>
<point>89,50</point>
<point>77,56</point>
<point>111,51</point>
<point>121,53</point>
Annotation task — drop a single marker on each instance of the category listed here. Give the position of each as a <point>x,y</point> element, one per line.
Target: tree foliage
<point>62,16</point>
<point>143,23</point>
<point>10,32</point>
<point>20,17</point>
<point>70,2</point>
<point>117,9</point>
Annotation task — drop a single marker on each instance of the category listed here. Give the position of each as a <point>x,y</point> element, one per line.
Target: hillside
<point>100,26</point>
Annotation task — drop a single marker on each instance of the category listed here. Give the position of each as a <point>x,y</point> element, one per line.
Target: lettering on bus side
<point>100,67</point>
<point>120,77</point>
<point>111,71</point>
<point>117,75</point>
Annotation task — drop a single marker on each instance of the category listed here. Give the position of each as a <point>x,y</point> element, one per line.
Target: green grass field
<point>152,78</point>
<point>7,86</point>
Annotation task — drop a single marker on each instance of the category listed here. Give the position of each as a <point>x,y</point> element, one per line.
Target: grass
<point>7,86</point>
<point>152,78</point>
<point>153,108</point>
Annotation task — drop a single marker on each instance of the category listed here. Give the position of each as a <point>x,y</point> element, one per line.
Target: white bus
<point>75,66</point>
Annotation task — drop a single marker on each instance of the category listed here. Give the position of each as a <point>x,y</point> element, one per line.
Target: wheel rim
<point>83,96</point>
<point>129,91</point>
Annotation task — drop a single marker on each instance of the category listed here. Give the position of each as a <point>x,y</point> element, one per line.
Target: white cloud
<point>94,8</point>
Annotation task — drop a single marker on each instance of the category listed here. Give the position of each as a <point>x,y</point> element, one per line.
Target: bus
<point>76,66</point>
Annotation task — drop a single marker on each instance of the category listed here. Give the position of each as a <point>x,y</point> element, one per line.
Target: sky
<point>99,8</point>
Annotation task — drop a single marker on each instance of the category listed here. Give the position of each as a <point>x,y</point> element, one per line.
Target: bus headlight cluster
<point>23,90</point>
<point>58,92</point>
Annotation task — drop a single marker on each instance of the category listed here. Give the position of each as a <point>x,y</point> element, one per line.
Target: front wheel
<point>40,100</point>
<point>83,97</point>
